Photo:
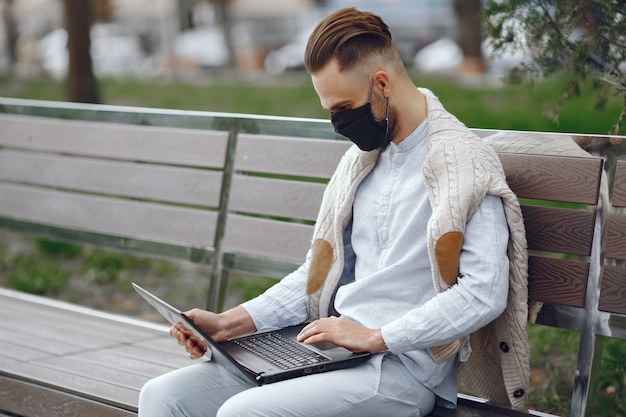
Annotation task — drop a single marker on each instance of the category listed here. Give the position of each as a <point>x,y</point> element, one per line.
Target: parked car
<point>413,25</point>
<point>114,51</point>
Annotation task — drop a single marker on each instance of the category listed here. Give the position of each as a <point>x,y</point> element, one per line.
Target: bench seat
<point>56,355</point>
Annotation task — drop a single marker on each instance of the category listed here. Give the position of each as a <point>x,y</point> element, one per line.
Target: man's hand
<point>345,333</point>
<point>194,346</point>
<point>220,327</point>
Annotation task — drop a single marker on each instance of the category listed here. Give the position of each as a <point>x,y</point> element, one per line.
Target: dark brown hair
<point>350,36</point>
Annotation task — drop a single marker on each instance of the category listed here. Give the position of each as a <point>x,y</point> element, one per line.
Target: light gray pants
<point>379,387</point>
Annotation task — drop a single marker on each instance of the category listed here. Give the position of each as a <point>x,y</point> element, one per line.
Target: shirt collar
<point>416,137</point>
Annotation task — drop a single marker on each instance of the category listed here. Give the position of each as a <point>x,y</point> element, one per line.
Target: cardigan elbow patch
<point>321,261</point>
<point>448,252</point>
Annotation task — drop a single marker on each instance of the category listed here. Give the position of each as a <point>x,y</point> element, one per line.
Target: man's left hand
<point>345,333</point>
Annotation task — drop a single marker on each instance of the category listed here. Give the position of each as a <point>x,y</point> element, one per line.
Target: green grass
<point>477,105</point>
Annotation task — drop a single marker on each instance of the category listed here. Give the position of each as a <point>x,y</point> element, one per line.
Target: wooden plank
<point>82,386</point>
<point>618,199</point>
<point>144,366</point>
<point>96,371</point>
<point>123,218</point>
<point>158,144</point>
<point>463,410</point>
<point>568,179</point>
<point>559,281</point>
<point>275,197</point>
<point>11,350</point>
<point>316,158</point>
<point>94,331</point>
<point>143,351</point>
<point>31,346</point>
<point>559,230</point>
<point>267,238</point>
<point>33,400</point>
<point>127,179</point>
<point>616,236</point>
<point>613,292</point>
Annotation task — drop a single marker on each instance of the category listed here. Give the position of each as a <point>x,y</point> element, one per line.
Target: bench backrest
<point>113,181</point>
<point>555,193</point>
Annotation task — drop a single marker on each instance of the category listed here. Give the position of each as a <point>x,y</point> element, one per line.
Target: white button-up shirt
<point>389,281</point>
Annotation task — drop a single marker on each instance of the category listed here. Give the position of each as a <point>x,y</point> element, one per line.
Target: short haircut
<point>350,36</point>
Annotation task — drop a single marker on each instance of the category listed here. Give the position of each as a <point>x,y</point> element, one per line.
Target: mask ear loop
<point>387,121</point>
<point>369,99</point>
<point>369,95</point>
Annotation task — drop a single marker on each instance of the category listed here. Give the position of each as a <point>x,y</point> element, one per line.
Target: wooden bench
<point>240,194</point>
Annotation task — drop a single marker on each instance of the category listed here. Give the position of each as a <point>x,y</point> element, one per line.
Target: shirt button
<point>504,347</point>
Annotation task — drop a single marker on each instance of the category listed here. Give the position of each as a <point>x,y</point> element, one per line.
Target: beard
<point>379,110</point>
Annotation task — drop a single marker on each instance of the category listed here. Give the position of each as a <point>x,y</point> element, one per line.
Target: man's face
<point>339,91</point>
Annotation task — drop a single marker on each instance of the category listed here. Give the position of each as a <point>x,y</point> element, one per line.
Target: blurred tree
<point>185,14</point>
<point>583,38</point>
<point>10,29</point>
<point>469,37</point>
<point>81,82</point>
<point>224,21</point>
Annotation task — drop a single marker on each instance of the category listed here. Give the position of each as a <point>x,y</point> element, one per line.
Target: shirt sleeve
<point>283,304</point>
<point>478,297</point>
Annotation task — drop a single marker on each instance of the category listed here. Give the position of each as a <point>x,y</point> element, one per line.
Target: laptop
<point>264,357</point>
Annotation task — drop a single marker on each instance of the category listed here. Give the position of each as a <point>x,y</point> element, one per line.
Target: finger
<point>176,334</point>
<point>307,331</point>
<point>195,348</point>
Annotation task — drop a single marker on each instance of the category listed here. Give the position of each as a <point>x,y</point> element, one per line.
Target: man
<point>419,243</point>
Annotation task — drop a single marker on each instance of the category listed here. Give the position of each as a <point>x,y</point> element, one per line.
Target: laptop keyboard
<point>279,350</point>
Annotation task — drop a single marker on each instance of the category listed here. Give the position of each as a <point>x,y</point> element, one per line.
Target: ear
<point>382,81</point>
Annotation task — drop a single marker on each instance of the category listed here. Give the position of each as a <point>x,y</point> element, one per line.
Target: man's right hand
<point>221,327</point>
<point>185,337</point>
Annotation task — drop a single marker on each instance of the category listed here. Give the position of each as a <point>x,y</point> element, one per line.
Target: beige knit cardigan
<point>458,172</point>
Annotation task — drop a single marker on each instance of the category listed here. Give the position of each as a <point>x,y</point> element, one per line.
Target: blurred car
<point>114,51</point>
<point>289,56</point>
<point>413,25</point>
<point>205,46</point>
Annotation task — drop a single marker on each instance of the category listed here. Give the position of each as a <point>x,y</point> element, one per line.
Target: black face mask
<point>360,127</point>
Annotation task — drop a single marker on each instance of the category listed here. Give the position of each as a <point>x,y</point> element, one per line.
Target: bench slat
<point>137,180</point>
<point>50,402</point>
<point>166,145</point>
<point>613,291</point>
<point>559,230</point>
<point>91,388</point>
<point>616,236</point>
<point>618,198</point>
<point>559,281</point>
<point>267,238</point>
<point>275,197</point>
<point>316,158</point>
<point>107,215</point>
<point>553,178</point>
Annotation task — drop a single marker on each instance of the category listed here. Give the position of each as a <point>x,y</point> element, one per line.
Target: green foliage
<point>250,286</point>
<point>611,399</point>
<point>58,249</point>
<point>36,275</point>
<point>553,363</point>
<point>107,267</point>
<point>584,39</point>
